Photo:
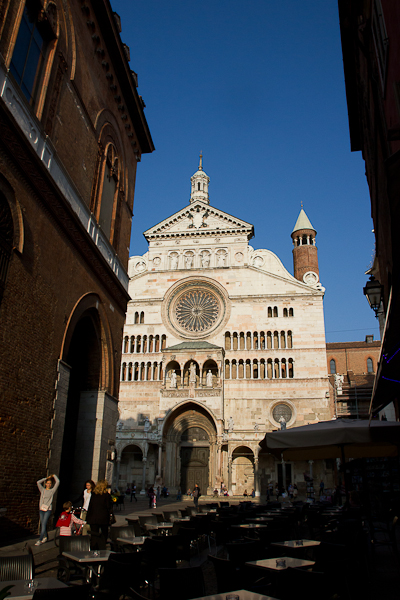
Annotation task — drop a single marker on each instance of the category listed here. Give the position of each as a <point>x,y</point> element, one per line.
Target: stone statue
<point>205,260</point>
<point>209,379</point>
<point>230,424</point>
<point>174,261</point>
<point>192,370</point>
<point>147,424</point>
<point>173,379</point>
<point>282,421</point>
<point>339,380</point>
<point>189,261</point>
<point>221,259</point>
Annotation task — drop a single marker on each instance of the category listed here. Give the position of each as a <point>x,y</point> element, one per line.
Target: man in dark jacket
<point>196,495</point>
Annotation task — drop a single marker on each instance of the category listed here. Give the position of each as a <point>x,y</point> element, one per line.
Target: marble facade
<point>221,344</point>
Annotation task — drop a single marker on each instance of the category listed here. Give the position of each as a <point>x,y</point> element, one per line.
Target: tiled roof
<point>194,346</point>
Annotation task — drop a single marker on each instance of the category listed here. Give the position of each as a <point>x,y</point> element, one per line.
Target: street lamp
<point>373,290</point>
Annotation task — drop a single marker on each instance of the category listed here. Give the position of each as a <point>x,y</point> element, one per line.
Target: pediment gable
<point>199,218</point>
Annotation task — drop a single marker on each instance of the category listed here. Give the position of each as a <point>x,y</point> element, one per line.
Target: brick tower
<point>305,253</point>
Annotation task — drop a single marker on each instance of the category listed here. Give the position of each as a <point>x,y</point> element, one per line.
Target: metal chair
<point>181,583</point>
<point>68,569</point>
<point>16,567</point>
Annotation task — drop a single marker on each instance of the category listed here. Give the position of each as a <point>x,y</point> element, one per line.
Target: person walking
<point>47,492</point>
<point>99,514</point>
<point>196,495</point>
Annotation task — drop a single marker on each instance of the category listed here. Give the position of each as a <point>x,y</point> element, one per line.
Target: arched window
<point>109,190</point>
<point>151,343</point>
<point>370,365</point>
<point>136,318</point>
<point>255,369</point>
<point>248,369</point>
<point>270,311</point>
<point>255,340</point>
<point>235,341</point>
<point>123,372</point>
<point>276,369</point>
<point>290,368</point>
<point>227,369</point>
<point>285,312</point>
<point>234,369</point>
<point>241,369</point>
<point>248,340</point>
<point>276,339</point>
<point>32,49</point>
<point>269,340</point>
<point>283,339</point>
<point>198,186</point>
<point>262,340</point>
<point>332,366</point>
<point>291,314</point>
<point>283,368</point>
<point>275,311</point>
<point>126,345</point>
<point>269,368</point>
<point>262,369</point>
<point>132,348</point>
<point>157,343</point>
<point>227,340</point>
<point>242,341</point>
<point>163,342</point>
<point>130,372</point>
<point>142,317</point>
<point>289,339</point>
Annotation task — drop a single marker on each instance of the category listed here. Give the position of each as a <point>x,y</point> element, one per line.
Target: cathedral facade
<point>221,345</point>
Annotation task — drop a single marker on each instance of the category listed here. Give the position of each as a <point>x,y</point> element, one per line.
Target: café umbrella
<point>339,438</point>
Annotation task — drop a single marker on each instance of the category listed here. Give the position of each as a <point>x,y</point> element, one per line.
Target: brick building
<point>370,35</point>
<point>221,344</point>
<point>352,367</point>
<point>72,132</point>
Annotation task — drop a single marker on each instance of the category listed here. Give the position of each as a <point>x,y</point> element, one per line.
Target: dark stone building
<point>72,132</point>
<point>370,34</point>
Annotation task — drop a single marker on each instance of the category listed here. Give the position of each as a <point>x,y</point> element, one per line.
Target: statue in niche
<point>173,379</point>
<point>174,261</point>
<point>209,379</point>
<point>282,421</point>
<point>230,424</point>
<point>221,259</point>
<point>147,424</point>
<point>192,372</point>
<point>189,261</point>
<point>205,260</point>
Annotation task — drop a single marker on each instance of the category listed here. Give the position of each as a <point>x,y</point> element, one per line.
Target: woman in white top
<point>87,494</point>
<point>47,492</point>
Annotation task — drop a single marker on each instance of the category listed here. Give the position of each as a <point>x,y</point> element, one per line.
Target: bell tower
<point>200,181</point>
<point>305,252</point>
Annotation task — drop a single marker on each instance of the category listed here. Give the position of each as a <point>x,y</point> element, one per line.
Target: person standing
<point>133,492</point>
<point>196,495</point>
<point>321,488</point>
<point>47,492</point>
<point>98,515</point>
<point>87,494</point>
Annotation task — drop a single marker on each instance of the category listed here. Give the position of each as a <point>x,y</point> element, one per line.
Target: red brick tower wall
<point>305,257</point>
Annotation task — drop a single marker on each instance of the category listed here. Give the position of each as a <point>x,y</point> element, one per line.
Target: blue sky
<point>258,87</point>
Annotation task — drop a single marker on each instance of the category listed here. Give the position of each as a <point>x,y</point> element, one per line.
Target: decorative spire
<point>200,181</point>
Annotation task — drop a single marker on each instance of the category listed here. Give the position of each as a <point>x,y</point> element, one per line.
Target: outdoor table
<point>270,563</point>
<point>18,593</point>
<point>292,544</point>
<point>158,526</point>
<point>133,541</point>
<point>259,519</point>
<point>250,525</point>
<point>243,595</point>
<point>89,559</point>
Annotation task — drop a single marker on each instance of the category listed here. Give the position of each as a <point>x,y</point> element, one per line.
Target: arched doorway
<point>130,468</point>
<point>85,408</point>
<point>190,448</point>
<point>195,458</point>
<point>242,470</point>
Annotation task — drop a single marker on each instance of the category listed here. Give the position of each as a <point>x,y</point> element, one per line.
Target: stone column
<point>284,474</point>
<point>159,460</point>
<point>256,478</point>
<point>115,481</point>
<point>229,472</point>
<point>143,490</point>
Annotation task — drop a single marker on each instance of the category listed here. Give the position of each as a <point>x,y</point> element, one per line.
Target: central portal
<point>195,456</point>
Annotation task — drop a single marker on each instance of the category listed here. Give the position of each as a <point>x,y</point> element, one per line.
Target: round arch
<point>242,470</point>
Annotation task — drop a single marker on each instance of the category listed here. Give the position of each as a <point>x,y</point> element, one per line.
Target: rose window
<point>282,410</point>
<point>197,310</point>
